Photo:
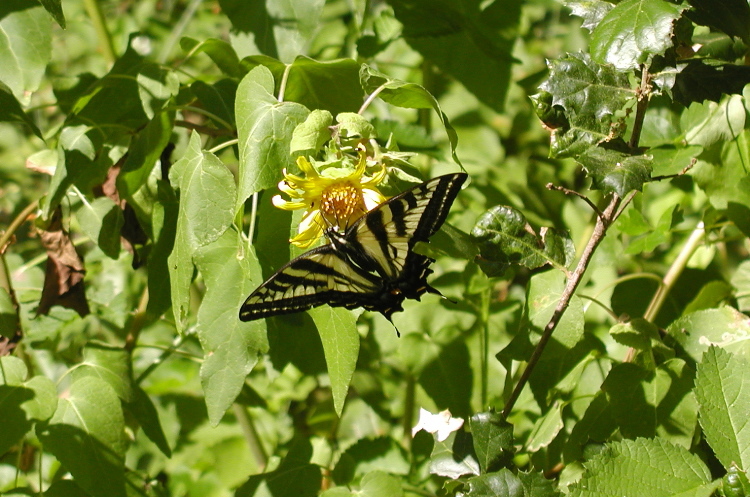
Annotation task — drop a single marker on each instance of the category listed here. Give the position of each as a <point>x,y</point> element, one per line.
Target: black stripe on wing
<point>320,276</point>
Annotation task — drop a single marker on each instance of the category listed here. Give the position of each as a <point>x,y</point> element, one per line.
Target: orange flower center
<point>342,203</point>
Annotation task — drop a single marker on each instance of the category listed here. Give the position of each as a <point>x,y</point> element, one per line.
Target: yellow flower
<point>334,200</point>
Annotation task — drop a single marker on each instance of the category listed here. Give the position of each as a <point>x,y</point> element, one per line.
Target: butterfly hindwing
<point>370,265</point>
<point>320,276</point>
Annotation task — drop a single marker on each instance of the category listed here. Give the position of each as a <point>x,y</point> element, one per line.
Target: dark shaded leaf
<point>698,81</point>
<point>471,40</point>
<point>729,16</point>
<point>11,111</point>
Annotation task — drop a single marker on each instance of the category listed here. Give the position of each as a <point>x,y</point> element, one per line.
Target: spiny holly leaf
<point>493,439</point>
<point>644,468</point>
<point>504,238</point>
<point>591,11</point>
<point>590,94</point>
<point>614,171</point>
<point>633,31</point>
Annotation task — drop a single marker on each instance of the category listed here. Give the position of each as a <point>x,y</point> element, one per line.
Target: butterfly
<point>371,264</point>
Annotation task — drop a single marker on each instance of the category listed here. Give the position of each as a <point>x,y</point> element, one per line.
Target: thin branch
<point>205,130</point>
<point>600,230</point>
<point>643,92</point>
<point>16,223</point>
<point>251,436</point>
<point>566,191</point>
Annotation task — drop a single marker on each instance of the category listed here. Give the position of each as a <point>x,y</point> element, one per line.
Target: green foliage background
<point>148,138</point>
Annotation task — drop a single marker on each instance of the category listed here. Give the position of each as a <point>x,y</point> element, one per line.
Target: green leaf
<point>131,94</point>
<point>8,314</point>
<point>295,476</point>
<point>11,111</point>
<point>220,51</point>
<point>22,402</point>
<point>110,364</point>
<point>722,388</point>
<point>546,428</point>
<point>454,456</point>
<point>653,403</point>
<point>207,193</point>
<point>730,16</point>
<point>25,49</point>
<point>218,99</point>
<point>87,435</point>
<point>472,41</point>
<point>102,220</point>
<point>634,31</point>
<point>264,128</point>
<point>278,29</point>
<point>590,94</point>
<point>508,484</point>
<point>726,179</point>
<point>504,239</point>
<point>493,439</point>
<point>710,122</point>
<point>54,8</point>
<point>669,159</point>
<point>144,151</point>
<point>76,151</point>
<point>329,85</point>
<point>338,333</point>
<point>735,483</point>
<point>711,296</point>
<point>614,171</point>
<point>447,379</point>
<point>544,292</point>
<point>623,468</point>
<point>407,95</point>
<point>371,454</point>
<point>312,134</point>
<point>164,225</point>
<point>725,327</point>
<point>230,271</point>
<point>380,484</point>
<point>144,412</point>
<point>655,236</point>
<point>741,282</point>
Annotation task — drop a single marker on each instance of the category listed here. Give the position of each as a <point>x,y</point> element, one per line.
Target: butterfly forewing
<point>389,232</point>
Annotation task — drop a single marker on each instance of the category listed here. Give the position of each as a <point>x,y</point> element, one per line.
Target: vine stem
<point>16,223</point>
<point>674,272</point>
<point>97,17</point>
<point>600,230</point>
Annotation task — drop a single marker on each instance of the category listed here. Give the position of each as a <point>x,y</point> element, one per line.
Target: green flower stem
<point>484,345</point>
<point>251,436</point>
<point>178,30</point>
<point>674,272</point>
<point>408,419</point>
<point>105,38</point>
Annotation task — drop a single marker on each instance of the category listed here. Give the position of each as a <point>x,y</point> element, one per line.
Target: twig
<point>97,18</point>
<point>16,223</point>
<point>600,230</point>
<point>566,191</point>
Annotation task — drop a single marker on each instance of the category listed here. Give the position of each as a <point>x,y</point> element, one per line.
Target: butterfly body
<point>371,264</point>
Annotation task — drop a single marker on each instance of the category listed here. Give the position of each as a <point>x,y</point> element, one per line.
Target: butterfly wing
<point>383,240</point>
<point>320,276</point>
